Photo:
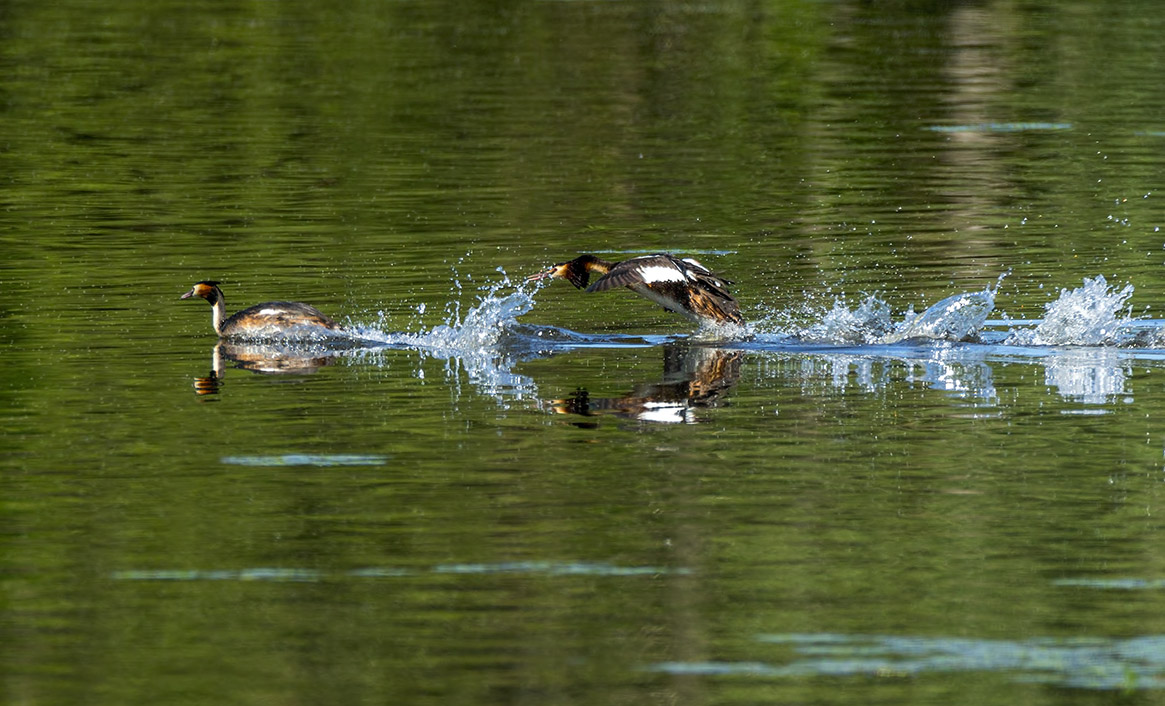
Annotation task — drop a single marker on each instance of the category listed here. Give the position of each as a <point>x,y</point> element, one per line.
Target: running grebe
<point>680,285</point>
<point>271,320</point>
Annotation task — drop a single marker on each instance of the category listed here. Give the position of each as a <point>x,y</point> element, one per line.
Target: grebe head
<point>576,271</point>
<point>206,289</point>
<point>209,291</point>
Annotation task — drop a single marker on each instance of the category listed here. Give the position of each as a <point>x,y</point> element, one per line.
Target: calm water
<point>504,493</point>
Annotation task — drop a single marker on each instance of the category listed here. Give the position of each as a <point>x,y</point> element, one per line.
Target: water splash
<point>956,318</point>
<point>483,342</point>
<point>866,323</point>
<point>1091,315</point>
<point>478,344</point>
<point>482,327</point>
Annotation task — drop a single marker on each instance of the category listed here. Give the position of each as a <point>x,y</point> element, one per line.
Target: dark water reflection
<point>488,499</point>
<point>693,377</point>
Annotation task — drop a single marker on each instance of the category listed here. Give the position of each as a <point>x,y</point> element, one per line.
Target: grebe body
<point>270,320</point>
<point>681,285</point>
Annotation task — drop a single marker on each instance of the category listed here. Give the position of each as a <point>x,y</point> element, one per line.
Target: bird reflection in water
<point>694,377</point>
<point>265,358</point>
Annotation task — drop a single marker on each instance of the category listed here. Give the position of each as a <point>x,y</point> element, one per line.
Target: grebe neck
<point>218,314</point>
<point>218,309</point>
<point>578,271</point>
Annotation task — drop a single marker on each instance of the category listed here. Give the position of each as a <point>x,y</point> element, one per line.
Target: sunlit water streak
<point>1000,127</point>
<point>1121,584</point>
<point>1083,663</point>
<point>544,568</point>
<point>306,460</point>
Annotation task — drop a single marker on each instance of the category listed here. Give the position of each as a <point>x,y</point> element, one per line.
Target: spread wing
<point>648,269</point>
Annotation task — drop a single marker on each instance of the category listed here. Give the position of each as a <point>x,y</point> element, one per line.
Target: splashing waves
<point>1090,315</point>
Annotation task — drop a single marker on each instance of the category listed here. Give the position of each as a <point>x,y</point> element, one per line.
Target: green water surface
<point>391,529</point>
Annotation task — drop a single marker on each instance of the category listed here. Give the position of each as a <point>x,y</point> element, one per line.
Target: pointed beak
<point>549,272</point>
<point>187,295</point>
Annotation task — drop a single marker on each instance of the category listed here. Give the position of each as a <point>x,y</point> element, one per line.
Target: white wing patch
<point>660,273</point>
<point>270,312</point>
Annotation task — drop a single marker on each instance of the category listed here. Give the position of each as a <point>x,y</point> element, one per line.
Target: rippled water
<point>925,471</point>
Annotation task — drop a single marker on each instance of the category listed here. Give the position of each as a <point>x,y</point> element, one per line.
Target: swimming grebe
<point>680,285</point>
<point>270,320</point>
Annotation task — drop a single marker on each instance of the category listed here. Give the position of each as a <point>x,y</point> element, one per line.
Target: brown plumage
<point>270,320</point>
<point>680,285</point>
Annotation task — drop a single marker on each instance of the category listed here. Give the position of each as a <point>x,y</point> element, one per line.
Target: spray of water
<point>474,343</point>
<point>956,318</point>
<point>1090,315</point>
<point>483,341</point>
<point>866,323</point>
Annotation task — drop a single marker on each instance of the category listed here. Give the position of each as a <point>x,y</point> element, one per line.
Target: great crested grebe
<point>680,285</point>
<point>270,320</point>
